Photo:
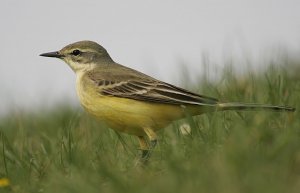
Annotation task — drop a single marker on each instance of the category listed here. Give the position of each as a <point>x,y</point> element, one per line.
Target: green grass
<point>65,150</point>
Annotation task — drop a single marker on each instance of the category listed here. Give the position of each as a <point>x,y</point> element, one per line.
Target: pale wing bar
<point>158,92</point>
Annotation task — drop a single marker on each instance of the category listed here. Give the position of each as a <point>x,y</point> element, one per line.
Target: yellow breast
<point>122,114</point>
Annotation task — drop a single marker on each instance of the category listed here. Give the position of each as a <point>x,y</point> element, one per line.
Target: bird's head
<point>82,55</point>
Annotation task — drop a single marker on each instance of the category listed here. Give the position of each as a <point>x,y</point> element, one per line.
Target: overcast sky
<point>151,36</point>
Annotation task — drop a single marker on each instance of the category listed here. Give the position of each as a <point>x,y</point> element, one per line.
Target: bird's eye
<point>76,52</point>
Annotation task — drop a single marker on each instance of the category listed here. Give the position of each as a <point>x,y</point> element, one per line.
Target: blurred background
<point>159,38</point>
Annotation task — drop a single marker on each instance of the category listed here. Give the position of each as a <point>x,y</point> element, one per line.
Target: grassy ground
<point>65,150</point>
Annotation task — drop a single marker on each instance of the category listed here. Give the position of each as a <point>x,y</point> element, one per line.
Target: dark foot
<point>146,154</point>
<point>143,158</point>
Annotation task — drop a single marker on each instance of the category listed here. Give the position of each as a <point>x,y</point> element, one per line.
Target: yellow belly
<point>131,116</point>
<point>127,115</point>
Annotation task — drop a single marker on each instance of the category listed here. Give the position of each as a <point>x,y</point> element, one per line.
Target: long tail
<point>252,107</point>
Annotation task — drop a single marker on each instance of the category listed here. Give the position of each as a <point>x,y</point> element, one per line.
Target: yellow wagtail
<point>132,102</point>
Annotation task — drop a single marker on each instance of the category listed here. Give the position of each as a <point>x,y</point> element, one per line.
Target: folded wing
<point>153,91</point>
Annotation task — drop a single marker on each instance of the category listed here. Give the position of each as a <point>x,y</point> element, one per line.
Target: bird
<point>132,102</point>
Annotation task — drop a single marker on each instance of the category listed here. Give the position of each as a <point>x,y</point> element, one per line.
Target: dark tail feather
<point>252,107</point>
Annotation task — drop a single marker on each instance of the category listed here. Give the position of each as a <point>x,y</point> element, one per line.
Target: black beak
<point>52,54</point>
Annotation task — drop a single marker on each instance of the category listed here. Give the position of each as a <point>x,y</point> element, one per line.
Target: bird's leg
<point>152,138</point>
<point>145,147</point>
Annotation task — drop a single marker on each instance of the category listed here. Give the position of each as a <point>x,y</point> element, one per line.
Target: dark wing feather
<point>131,84</point>
<point>158,92</point>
